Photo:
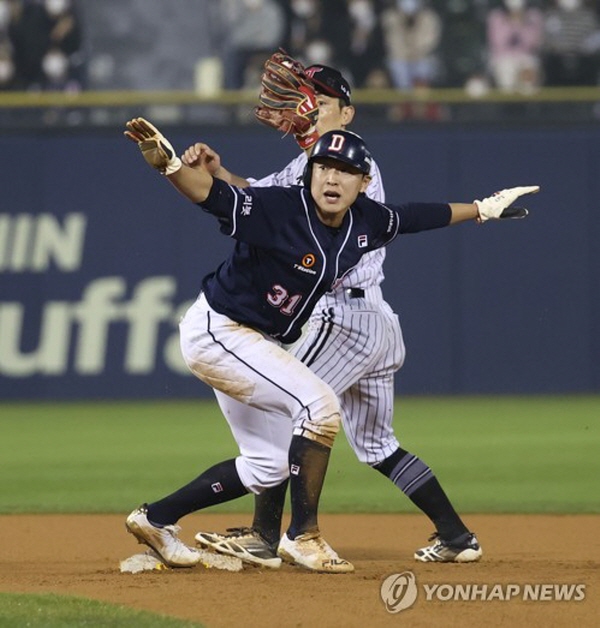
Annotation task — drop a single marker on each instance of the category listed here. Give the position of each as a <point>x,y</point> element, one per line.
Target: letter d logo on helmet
<point>342,146</point>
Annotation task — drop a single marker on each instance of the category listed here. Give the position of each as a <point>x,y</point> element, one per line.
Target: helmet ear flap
<point>307,176</point>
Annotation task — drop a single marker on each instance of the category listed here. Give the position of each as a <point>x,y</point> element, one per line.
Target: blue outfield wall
<point>99,257</point>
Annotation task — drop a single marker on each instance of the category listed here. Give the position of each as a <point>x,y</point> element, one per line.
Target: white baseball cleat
<point>311,551</point>
<point>163,541</point>
<point>466,550</point>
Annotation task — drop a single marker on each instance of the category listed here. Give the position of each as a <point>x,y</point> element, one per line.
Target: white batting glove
<point>156,148</point>
<point>497,206</point>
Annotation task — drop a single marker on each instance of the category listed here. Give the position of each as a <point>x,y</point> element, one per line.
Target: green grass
<point>491,454</point>
<point>58,611</point>
<point>501,454</point>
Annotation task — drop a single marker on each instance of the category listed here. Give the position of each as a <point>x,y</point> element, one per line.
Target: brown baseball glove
<point>287,99</point>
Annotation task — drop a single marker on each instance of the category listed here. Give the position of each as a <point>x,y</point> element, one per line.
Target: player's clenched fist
<point>156,148</point>
<point>498,206</point>
<point>200,155</point>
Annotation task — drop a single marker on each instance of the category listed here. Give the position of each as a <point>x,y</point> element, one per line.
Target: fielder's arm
<point>194,183</point>
<point>201,155</point>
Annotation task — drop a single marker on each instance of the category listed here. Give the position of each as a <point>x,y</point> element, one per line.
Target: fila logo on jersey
<point>307,261</point>
<point>217,487</point>
<point>363,241</point>
<point>390,221</point>
<point>295,469</point>
<point>247,205</point>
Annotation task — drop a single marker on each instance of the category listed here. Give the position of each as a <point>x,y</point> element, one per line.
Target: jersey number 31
<point>281,299</point>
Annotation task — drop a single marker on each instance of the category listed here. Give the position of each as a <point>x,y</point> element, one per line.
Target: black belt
<point>355,293</point>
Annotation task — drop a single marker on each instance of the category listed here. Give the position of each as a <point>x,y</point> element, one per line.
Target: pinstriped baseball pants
<point>355,345</point>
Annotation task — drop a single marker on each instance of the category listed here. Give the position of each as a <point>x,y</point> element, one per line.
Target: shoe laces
<point>322,544</point>
<point>242,531</point>
<point>439,541</point>
<point>307,536</point>
<point>173,530</point>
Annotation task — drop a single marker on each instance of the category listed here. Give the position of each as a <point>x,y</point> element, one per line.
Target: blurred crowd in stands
<point>512,45</point>
<point>41,46</point>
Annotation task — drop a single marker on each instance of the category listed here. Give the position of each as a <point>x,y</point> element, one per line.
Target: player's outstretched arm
<point>193,183</point>
<point>499,206</point>
<point>461,212</point>
<point>200,155</point>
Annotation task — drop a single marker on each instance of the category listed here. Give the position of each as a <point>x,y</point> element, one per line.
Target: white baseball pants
<point>271,390</point>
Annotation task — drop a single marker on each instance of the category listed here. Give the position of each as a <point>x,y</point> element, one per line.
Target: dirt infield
<point>79,555</point>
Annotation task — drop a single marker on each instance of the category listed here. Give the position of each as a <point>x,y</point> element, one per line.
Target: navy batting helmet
<point>343,146</point>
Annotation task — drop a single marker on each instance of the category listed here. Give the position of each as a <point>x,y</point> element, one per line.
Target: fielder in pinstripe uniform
<point>354,343</point>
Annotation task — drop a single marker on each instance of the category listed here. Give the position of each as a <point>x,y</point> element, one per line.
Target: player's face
<point>332,114</point>
<point>334,187</point>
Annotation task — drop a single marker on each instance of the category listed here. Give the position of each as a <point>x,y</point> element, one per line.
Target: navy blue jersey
<point>285,258</point>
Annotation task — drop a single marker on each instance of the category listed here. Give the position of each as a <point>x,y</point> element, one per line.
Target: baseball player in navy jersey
<point>292,246</point>
<point>354,343</point>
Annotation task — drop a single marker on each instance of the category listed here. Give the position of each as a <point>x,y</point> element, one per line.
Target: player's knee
<point>321,421</point>
<point>259,473</point>
<point>375,452</point>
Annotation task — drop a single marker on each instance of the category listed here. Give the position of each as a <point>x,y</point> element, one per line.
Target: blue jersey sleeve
<point>387,221</point>
<point>415,217</point>
<point>252,215</point>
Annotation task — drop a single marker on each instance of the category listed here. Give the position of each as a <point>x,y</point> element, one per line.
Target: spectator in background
<point>63,60</point>
<point>318,52</point>
<point>367,52</point>
<point>48,45</point>
<point>412,33</point>
<point>319,32</point>
<point>514,40</point>
<point>5,16</point>
<point>9,9</point>
<point>253,29</point>
<point>305,24</point>
<point>9,80</point>
<point>57,72</point>
<point>571,44</point>
<point>463,42</point>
